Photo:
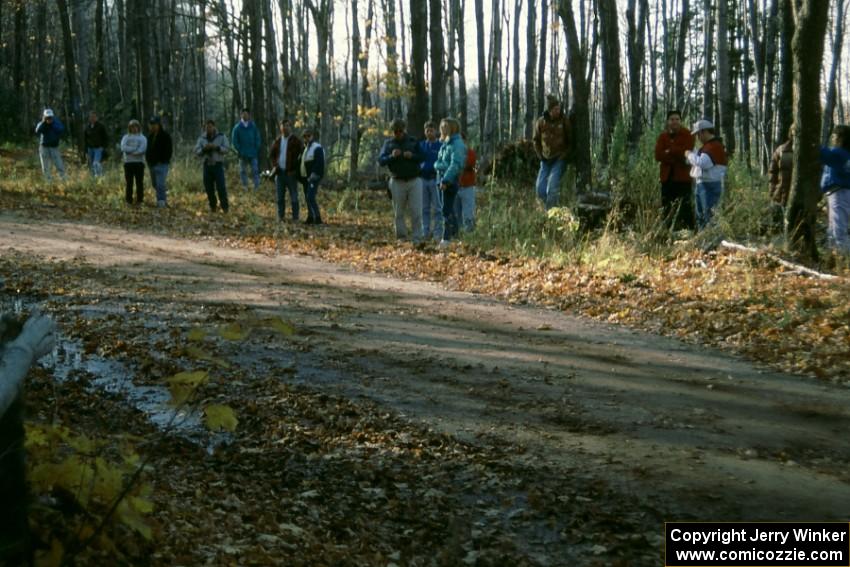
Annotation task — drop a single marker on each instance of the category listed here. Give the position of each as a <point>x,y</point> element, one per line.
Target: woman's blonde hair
<point>452,127</point>
<point>135,123</point>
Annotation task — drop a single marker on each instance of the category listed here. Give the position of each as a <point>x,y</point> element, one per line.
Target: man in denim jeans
<point>708,168</point>
<point>552,138</point>
<point>245,139</point>
<point>158,156</point>
<point>96,140</point>
<point>432,197</point>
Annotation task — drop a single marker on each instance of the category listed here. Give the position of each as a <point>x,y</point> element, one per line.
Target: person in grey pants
<point>402,155</point>
<point>50,131</point>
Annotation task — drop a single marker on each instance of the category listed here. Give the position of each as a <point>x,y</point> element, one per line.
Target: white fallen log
<point>790,265</point>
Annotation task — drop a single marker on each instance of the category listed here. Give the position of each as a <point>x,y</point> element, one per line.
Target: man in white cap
<point>708,168</point>
<point>50,131</point>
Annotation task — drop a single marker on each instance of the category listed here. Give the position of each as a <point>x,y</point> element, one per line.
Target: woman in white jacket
<point>133,146</point>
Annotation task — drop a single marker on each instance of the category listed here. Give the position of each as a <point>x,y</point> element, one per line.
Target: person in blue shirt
<point>835,183</point>
<point>401,154</point>
<point>50,131</point>
<point>449,165</point>
<point>245,139</point>
<point>432,197</point>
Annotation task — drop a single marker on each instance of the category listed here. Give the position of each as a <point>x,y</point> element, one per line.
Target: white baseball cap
<point>701,125</point>
<point>48,113</point>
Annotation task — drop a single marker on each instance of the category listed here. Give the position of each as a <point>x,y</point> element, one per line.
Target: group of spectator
<point>681,167</point>
<point>432,181</point>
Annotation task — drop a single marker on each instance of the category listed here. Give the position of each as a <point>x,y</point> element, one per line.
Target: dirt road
<point>690,433</point>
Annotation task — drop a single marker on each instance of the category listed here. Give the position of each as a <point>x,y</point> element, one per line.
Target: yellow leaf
<point>36,436</point>
<point>220,417</point>
<point>200,354</point>
<point>52,558</point>
<point>234,332</point>
<point>197,334</point>
<point>132,518</point>
<point>141,505</point>
<point>283,327</point>
<point>182,385</point>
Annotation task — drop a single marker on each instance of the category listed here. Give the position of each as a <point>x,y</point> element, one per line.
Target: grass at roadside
<point>629,272</point>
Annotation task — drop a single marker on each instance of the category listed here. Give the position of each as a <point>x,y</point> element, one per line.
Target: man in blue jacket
<point>245,139</point>
<point>50,131</point>
<point>432,197</point>
<point>402,155</point>
<point>835,183</point>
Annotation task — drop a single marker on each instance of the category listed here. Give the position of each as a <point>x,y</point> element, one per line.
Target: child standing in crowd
<point>835,183</point>
<point>133,146</point>
<point>465,201</point>
<point>449,165</point>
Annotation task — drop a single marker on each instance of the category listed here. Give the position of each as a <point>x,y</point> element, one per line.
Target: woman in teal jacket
<point>449,165</point>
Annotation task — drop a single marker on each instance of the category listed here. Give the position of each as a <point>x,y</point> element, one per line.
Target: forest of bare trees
<point>350,67</point>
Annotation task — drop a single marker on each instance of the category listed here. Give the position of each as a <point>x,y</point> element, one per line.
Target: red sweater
<point>467,176</point>
<point>670,153</point>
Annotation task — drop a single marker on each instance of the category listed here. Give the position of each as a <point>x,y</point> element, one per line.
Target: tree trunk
<point>274,97</point>
<point>725,92</point>
<point>837,41</point>
<point>461,56</point>
<point>365,95</point>
<point>810,18</point>
<point>684,24</point>
<point>438,68</point>
<point>393,79</point>
<point>610,40</point>
<point>653,67</point>
<point>322,17</point>
<point>515,118</point>
<point>20,47</point>
<point>417,114</point>
<point>451,25</point>
<point>636,33</point>
<point>100,51</point>
<point>745,73</point>
<point>354,126</point>
<point>767,106</point>
<point>581,99</point>
<point>255,55</point>
<point>232,61</point>
<point>494,74</point>
<point>482,68</point>
<point>541,61</point>
<point>70,75</point>
<point>708,56</point>
<point>530,62</point>
<point>785,106</point>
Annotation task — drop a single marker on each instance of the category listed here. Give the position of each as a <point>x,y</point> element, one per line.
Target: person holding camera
<point>211,147</point>
<point>50,131</point>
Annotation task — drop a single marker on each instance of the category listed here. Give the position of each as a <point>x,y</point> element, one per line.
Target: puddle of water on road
<point>68,361</point>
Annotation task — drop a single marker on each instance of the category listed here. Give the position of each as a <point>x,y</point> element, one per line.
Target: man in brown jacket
<point>676,185</point>
<point>285,157</point>
<point>552,138</point>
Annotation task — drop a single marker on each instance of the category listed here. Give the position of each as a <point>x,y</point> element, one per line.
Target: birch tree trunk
<point>837,42</point>
<point>810,19</point>
<point>530,62</point>
<point>482,68</point>
<point>725,92</point>
<point>515,118</point>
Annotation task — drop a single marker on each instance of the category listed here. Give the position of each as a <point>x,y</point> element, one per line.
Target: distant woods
<point>616,64</point>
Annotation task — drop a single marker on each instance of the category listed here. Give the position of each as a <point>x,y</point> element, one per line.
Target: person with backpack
<point>212,147</point>
<point>708,168</point>
<point>465,200</point>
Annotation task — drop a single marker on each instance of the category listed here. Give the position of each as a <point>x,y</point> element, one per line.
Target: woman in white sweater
<point>133,146</point>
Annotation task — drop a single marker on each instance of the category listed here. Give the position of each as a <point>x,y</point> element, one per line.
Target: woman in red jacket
<point>676,183</point>
<point>465,200</point>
